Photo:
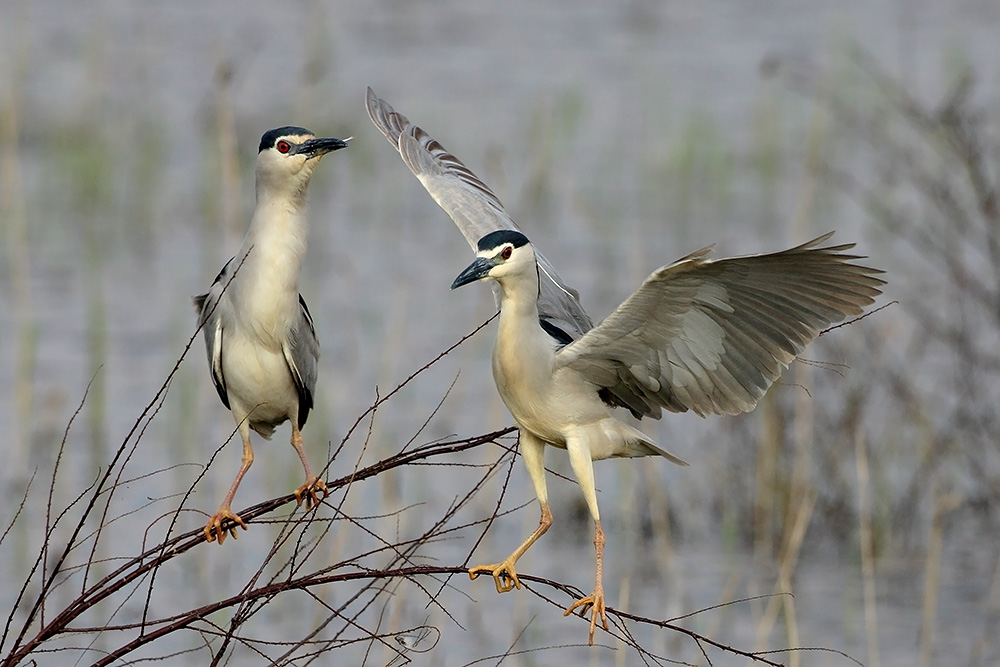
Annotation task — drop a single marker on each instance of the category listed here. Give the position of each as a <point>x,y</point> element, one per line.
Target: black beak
<point>478,270</point>
<point>317,147</point>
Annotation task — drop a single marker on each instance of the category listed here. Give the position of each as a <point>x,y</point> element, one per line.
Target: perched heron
<point>699,334</point>
<point>704,335</point>
<point>259,335</point>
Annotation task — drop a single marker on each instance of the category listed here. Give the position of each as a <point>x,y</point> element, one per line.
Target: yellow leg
<point>314,486</point>
<point>578,447</point>
<point>595,599</point>
<point>214,528</point>
<point>504,573</point>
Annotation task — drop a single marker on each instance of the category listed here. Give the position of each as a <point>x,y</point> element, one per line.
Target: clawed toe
<point>311,493</point>
<point>597,608</point>
<point>215,529</point>
<point>504,575</point>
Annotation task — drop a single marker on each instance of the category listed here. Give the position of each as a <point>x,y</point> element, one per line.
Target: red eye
<point>283,147</point>
<point>505,253</point>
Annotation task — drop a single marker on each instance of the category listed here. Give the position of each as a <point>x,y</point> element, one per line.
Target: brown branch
<point>176,546</point>
<point>858,318</point>
<point>409,573</point>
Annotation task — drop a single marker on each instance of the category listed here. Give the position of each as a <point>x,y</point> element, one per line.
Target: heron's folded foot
<point>504,574</point>
<point>310,492</point>
<point>221,523</point>
<point>596,603</point>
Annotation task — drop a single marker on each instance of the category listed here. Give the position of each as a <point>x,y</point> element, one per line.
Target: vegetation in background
<point>895,457</point>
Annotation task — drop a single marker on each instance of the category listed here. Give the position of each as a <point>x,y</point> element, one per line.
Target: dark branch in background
<point>299,535</point>
<point>50,527</point>
<point>366,581</point>
<point>927,174</point>
<point>311,581</point>
<point>858,318</point>
<point>176,546</point>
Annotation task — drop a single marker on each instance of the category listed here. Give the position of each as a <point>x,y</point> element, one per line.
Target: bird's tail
<point>265,429</point>
<point>639,444</point>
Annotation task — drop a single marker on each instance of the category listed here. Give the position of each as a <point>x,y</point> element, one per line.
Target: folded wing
<point>211,323</point>
<point>301,353</point>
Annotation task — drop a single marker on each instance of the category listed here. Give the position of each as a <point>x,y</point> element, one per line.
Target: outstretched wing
<point>210,320</point>
<point>712,335</point>
<point>302,356</point>
<point>476,211</point>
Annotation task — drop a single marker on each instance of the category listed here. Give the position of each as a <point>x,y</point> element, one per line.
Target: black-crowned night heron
<point>261,343</point>
<point>704,335</point>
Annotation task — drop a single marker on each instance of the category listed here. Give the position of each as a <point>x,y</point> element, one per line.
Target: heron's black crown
<point>501,236</point>
<point>271,136</point>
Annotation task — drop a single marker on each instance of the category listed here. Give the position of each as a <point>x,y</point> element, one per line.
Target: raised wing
<point>302,356</point>
<point>211,323</point>
<point>712,335</point>
<point>476,211</point>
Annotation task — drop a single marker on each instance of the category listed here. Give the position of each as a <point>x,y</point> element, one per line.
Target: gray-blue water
<point>114,214</point>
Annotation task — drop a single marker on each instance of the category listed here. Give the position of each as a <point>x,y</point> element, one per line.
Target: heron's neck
<point>275,244</point>
<point>519,296</point>
<point>523,354</point>
<point>519,325</point>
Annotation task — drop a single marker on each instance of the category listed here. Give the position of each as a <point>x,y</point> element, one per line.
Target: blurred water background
<point>621,136</point>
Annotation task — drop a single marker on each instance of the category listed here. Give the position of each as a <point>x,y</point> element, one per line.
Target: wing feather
<point>211,324</point>
<point>712,335</point>
<point>475,209</point>
<point>301,353</point>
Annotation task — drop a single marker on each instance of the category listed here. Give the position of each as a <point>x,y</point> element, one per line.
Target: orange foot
<point>596,602</point>
<point>310,492</point>
<point>503,574</point>
<point>217,526</point>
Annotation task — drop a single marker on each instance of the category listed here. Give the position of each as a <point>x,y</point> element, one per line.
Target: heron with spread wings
<point>704,335</point>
